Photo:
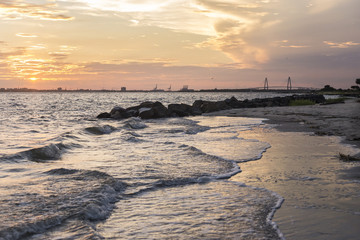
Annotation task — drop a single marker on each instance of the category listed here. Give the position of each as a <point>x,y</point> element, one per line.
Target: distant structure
<point>185,88</point>
<point>123,89</point>
<point>169,89</point>
<point>156,89</point>
<point>288,86</point>
<point>266,84</point>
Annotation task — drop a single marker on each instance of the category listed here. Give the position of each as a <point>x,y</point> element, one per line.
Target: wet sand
<point>334,119</point>
<point>322,193</point>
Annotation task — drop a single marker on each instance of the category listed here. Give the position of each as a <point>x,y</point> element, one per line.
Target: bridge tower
<point>266,84</point>
<point>288,86</point>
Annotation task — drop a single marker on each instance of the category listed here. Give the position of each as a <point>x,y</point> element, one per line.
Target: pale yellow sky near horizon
<point>202,43</point>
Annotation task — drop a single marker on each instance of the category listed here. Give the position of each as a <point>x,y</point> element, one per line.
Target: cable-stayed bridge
<point>288,86</point>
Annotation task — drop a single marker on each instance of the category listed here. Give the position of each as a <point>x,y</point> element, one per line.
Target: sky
<point>205,44</point>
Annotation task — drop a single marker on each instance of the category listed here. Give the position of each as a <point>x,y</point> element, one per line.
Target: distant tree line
<point>328,88</point>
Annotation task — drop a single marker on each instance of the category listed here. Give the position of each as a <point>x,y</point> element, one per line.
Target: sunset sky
<point>201,43</point>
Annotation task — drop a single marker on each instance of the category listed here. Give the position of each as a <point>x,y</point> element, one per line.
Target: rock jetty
<point>151,110</point>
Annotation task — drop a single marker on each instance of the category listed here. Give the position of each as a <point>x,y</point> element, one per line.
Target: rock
<point>146,113</point>
<point>233,102</point>
<point>208,106</point>
<point>119,113</point>
<point>196,107</point>
<point>345,157</point>
<point>160,111</point>
<point>222,105</point>
<point>117,109</point>
<point>133,113</point>
<point>180,110</point>
<point>104,115</point>
<point>312,97</point>
<point>147,104</point>
<point>147,110</point>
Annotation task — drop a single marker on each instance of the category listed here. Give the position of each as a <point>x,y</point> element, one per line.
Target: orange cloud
<point>20,9</point>
<point>26,35</point>
<point>287,44</point>
<point>22,64</point>
<point>341,44</point>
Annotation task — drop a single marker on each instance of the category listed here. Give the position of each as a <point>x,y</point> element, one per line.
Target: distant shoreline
<point>247,90</point>
<point>191,91</point>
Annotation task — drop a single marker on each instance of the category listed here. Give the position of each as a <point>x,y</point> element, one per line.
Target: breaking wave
<point>72,194</point>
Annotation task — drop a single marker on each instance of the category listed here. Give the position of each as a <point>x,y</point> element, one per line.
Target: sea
<point>64,174</point>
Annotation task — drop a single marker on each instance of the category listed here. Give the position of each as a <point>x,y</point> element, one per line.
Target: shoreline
<point>324,120</point>
<point>303,166</point>
<point>321,198</point>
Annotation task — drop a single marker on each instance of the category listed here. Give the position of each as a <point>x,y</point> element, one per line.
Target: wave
<point>226,168</point>
<point>258,156</point>
<point>134,139</point>
<point>134,123</point>
<point>186,125</point>
<point>49,152</point>
<point>71,194</point>
<point>209,210</point>
<point>42,154</point>
<point>100,130</point>
<point>279,200</point>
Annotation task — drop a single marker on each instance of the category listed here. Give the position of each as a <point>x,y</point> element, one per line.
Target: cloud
<point>226,23</point>
<point>26,35</point>
<point>287,44</point>
<point>319,6</point>
<point>12,52</point>
<point>58,55</point>
<point>20,9</point>
<point>21,63</point>
<point>127,5</point>
<point>341,44</point>
<point>243,53</point>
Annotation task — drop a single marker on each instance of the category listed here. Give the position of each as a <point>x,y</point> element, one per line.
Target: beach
<point>233,175</point>
<point>331,120</point>
<point>321,192</point>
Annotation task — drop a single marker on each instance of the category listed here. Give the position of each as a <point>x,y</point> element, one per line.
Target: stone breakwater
<point>150,110</point>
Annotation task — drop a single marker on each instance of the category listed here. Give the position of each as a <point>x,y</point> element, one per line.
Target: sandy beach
<point>334,119</point>
<point>321,192</point>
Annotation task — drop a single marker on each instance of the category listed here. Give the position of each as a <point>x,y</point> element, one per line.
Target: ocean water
<point>66,175</point>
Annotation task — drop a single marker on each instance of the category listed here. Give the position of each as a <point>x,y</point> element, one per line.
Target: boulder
<point>147,104</point>
<point>222,105</point>
<point>147,110</point>
<point>196,107</point>
<point>208,106</point>
<point>119,113</point>
<point>312,97</point>
<point>104,115</point>
<point>160,111</point>
<point>146,113</point>
<point>180,110</point>
<point>133,112</point>
<point>233,102</point>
